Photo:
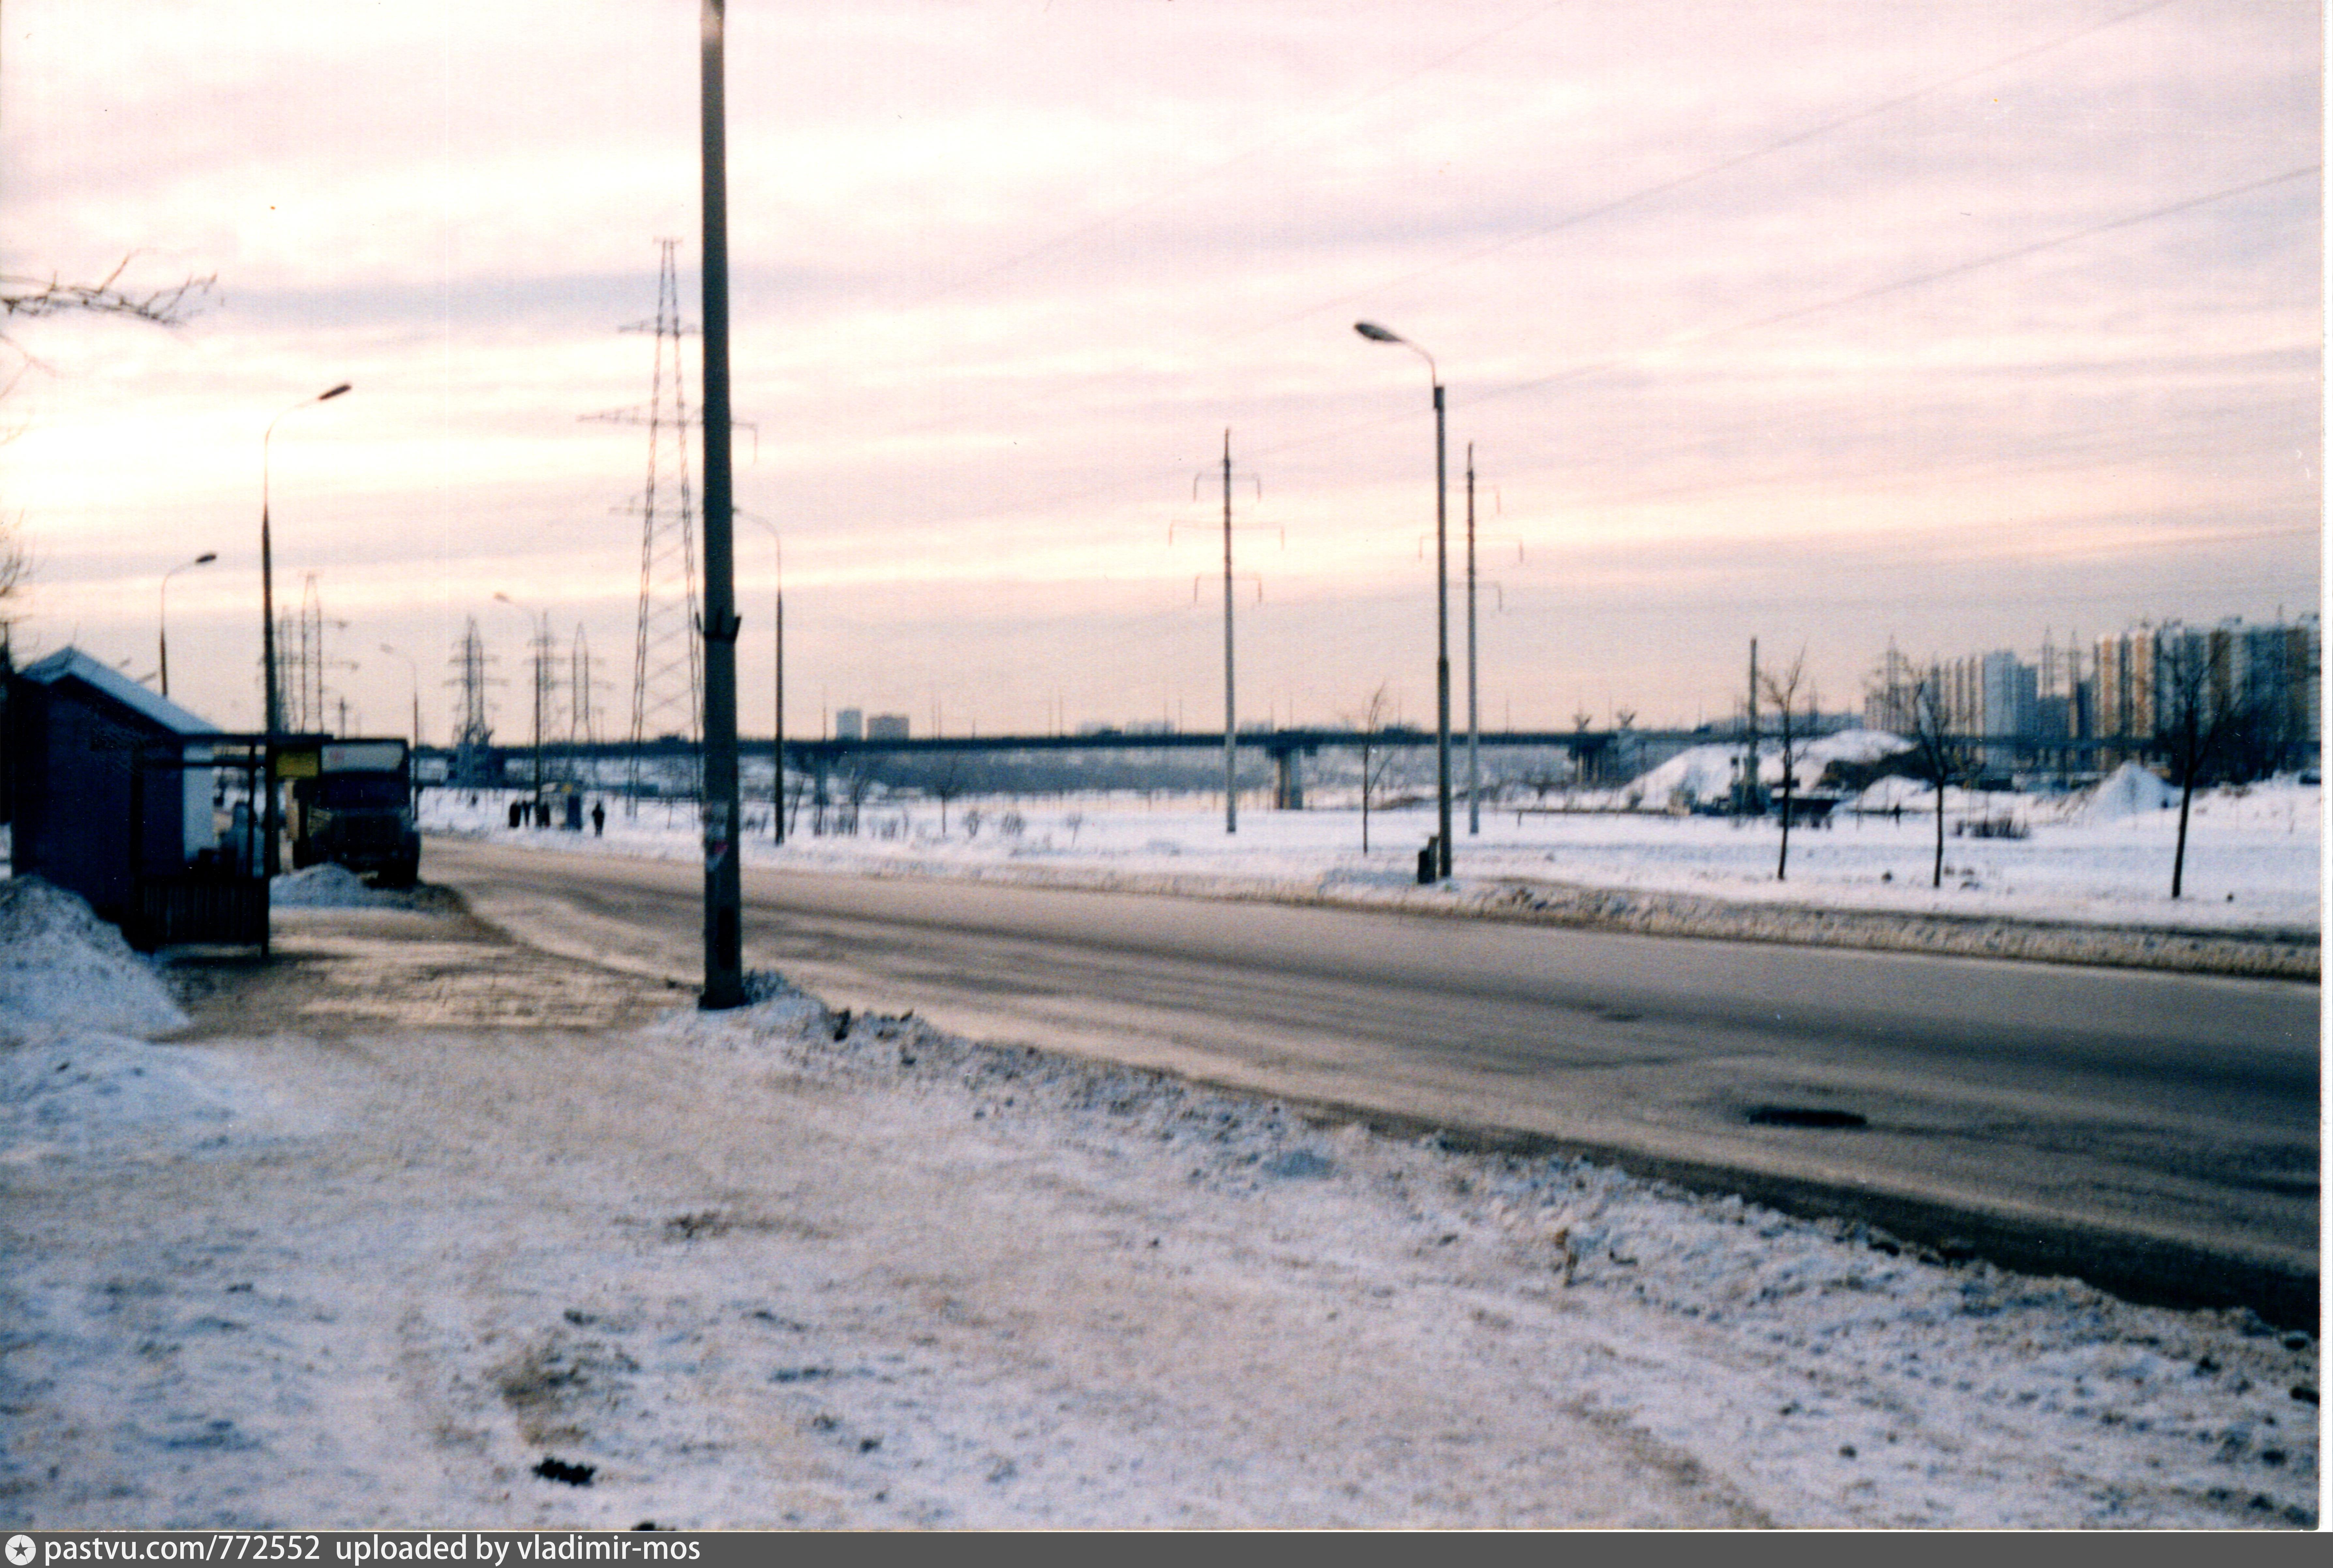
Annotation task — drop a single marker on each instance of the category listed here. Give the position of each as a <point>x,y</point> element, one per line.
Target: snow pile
<point>324,887</point>
<point>2128,792</point>
<point>87,1089</point>
<point>1706,773</point>
<point>1834,1372</point>
<point>61,968</point>
<point>76,1008</point>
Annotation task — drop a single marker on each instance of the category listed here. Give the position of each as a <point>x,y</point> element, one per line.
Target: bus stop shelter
<point>115,795</point>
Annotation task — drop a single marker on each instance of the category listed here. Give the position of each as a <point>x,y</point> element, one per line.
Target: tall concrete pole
<point>777,679</point>
<point>724,975</point>
<point>1474,724</point>
<point>162,613</point>
<point>1377,334</point>
<point>273,859</point>
<point>1442,632</point>
<point>1231,725</point>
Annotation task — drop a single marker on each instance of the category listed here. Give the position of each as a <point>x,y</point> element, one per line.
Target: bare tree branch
<point>32,297</point>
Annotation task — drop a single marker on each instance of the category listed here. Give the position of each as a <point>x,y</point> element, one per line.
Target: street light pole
<point>273,860</point>
<point>1377,334</point>
<point>1231,734</point>
<point>724,967</point>
<point>1473,726</point>
<point>412,756</point>
<point>777,696</point>
<point>162,614</point>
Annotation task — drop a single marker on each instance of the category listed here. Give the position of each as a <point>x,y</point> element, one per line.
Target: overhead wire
<point>1795,138</point>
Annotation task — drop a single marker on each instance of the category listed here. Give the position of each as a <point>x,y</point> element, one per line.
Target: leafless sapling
<point>2197,715</point>
<point>1782,692</point>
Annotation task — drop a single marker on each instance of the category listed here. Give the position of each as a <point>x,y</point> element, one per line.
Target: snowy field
<point>778,1267</point>
<point>2101,857</point>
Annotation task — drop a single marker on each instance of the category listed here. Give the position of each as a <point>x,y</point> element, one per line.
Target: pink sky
<point>1814,322</point>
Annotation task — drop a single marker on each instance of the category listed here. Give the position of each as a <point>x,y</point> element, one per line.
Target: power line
<point>1708,171</point>
<point>1192,182</point>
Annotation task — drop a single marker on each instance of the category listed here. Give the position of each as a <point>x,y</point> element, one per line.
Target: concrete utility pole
<point>1377,334</point>
<point>1231,725</point>
<point>273,696</point>
<point>163,616</point>
<point>1474,724</point>
<point>724,974</point>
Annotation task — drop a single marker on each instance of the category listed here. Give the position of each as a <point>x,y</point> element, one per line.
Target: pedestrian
<point>598,818</point>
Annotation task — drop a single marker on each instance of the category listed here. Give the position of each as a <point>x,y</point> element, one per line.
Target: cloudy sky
<point>1818,321</point>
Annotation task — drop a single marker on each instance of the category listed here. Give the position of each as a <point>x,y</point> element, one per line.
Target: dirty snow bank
<point>76,1008</point>
<point>326,887</point>
<point>63,969</point>
<point>784,1266</point>
<point>1827,1371</point>
<point>2088,883</point>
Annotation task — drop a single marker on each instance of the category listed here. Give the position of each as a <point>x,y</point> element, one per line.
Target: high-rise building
<point>849,724</point>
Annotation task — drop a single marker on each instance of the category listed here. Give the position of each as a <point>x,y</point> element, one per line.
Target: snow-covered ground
<point>780,1266</point>
<point>2102,857</point>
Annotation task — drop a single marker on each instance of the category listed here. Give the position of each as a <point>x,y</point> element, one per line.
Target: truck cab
<point>353,805</point>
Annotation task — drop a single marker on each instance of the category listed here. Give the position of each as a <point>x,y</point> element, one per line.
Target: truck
<point>353,805</point>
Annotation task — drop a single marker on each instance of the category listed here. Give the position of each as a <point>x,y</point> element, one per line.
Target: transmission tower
<point>300,663</point>
<point>582,728</point>
<point>471,736</point>
<point>667,661</point>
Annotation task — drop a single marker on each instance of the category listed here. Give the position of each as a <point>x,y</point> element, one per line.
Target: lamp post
<point>540,623</point>
<point>1474,723</point>
<point>162,614</point>
<point>778,691</point>
<point>413,758</point>
<point>1377,334</point>
<point>415,670</point>
<point>724,968</point>
<point>273,860</point>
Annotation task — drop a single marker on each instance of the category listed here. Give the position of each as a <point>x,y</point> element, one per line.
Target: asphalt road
<point>2155,1134</point>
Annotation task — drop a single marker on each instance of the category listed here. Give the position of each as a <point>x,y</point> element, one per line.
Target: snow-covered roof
<point>72,662</point>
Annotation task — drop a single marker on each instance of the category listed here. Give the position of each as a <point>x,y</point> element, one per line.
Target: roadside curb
<point>2281,954</point>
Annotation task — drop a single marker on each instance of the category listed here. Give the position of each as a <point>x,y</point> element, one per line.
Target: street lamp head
<point>1376,333</point>
<point>336,392</point>
<point>206,558</point>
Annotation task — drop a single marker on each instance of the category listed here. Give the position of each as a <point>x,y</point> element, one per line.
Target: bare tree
<point>2197,718</point>
<point>1913,701</point>
<point>946,787</point>
<point>1373,757</point>
<point>858,778</point>
<point>16,570</point>
<point>26,298</point>
<point>1782,691</point>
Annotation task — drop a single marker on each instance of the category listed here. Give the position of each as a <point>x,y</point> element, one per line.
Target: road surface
<point>2155,1134</point>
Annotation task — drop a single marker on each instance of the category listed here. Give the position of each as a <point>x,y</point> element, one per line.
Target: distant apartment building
<point>850,724</point>
<point>1993,696</point>
<point>2266,679</point>
<point>886,727</point>
<point>2269,677</point>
